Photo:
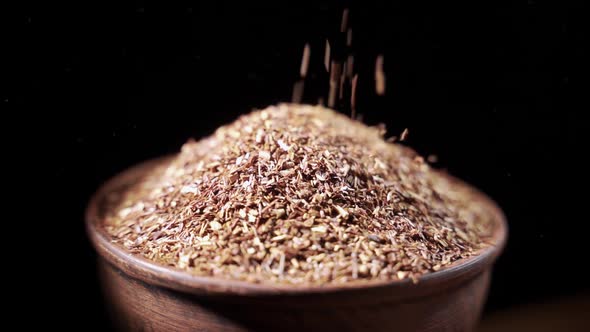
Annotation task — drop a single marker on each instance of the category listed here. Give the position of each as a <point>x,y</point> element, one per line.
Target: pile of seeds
<point>300,195</point>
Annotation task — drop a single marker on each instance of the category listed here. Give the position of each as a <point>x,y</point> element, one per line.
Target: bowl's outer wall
<point>138,306</point>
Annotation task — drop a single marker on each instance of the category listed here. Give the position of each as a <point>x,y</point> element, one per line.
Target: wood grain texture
<point>150,297</point>
<point>140,306</point>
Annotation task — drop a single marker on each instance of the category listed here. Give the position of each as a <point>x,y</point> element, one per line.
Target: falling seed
<point>297,95</point>
<point>349,66</point>
<point>404,135</point>
<point>327,56</point>
<point>349,37</point>
<point>332,94</point>
<point>344,22</point>
<point>379,76</point>
<point>305,60</point>
<point>432,158</point>
<point>353,96</point>
<point>335,72</point>
<point>341,88</point>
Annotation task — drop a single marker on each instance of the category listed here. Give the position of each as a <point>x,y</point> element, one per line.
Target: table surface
<point>568,314</point>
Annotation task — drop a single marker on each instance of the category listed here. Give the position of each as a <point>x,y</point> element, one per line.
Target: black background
<point>491,89</point>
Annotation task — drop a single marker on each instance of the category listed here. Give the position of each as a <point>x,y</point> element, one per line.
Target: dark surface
<point>492,91</point>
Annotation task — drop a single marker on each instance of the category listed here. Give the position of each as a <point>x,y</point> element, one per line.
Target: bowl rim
<point>157,274</point>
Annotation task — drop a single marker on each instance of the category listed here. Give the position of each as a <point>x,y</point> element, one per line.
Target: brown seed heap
<point>300,195</point>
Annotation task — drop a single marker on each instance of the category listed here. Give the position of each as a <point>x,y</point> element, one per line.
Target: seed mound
<point>299,195</point>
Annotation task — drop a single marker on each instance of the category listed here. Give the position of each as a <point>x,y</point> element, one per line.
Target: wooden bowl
<point>146,296</point>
